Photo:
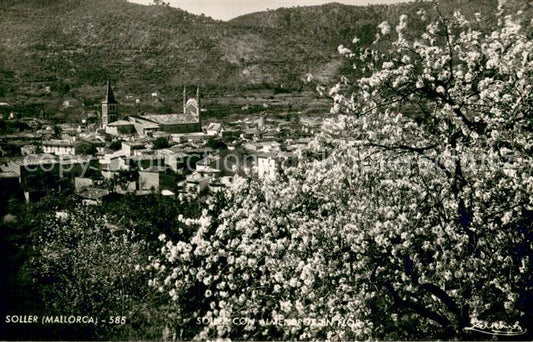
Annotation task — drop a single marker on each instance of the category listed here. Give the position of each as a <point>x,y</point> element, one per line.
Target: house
<point>174,158</point>
<point>41,172</point>
<point>232,145</point>
<point>64,147</point>
<point>214,129</point>
<point>216,165</point>
<point>120,127</point>
<point>46,133</point>
<point>231,133</point>
<point>209,162</point>
<point>269,164</point>
<point>146,161</point>
<point>69,132</point>
<point>260,122</point>
<point>111,167</point>
<point>194,183</point>
<point>144,127</point>
<point>268,146</point>
<point>131,148</point>
<point>92,196</point>
<point>91,114</point>
<point>193,155</point>
<point>115,166</point>
<point>86,190</point>
<point>161,134</point>
<point>198,137</point>
<point>212,174</point>
<point>250,146</point>
<point>82,182</point>
<point>227,180</point>
<point>149,179</point>
<point>28,163</point>
<point>96,141</point>
<point>250,134</point>
<point>220,183</point>
<point>271,135</point>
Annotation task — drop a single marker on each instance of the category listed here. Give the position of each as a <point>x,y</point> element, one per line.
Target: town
<point>327,172</point>
<point>175,154</point>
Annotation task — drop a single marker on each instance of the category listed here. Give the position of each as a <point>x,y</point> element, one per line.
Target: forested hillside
<point>61,48</point>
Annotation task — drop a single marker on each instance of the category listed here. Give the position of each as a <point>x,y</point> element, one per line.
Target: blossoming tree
<point>417,224</point>
<point>459,98</point>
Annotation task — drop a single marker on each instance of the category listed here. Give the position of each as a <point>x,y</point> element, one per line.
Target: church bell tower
<point>109,107</point>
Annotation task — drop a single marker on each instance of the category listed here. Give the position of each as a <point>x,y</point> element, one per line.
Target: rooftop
<point>214,126</point>
<point>208,160</point>
<point>146,125</point>
<point>92,193</point>
<point>120,123</point>
<point>155,169</point>
<point>167,193</point>
<point>189,135</point>
<point>58,143</point>
<point>170,119</point>
<point>210,170</point>
<point>34,158</point>
<point>133,144</point>
<point>197,180</point>
<point>274,155</point>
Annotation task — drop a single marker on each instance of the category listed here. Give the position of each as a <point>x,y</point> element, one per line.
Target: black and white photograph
<point>252,170</point>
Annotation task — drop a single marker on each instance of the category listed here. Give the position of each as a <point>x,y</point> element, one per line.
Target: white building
<point>269,164</point>
<point>63,147</point>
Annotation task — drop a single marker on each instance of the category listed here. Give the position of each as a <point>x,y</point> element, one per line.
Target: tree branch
<point>419,309</point>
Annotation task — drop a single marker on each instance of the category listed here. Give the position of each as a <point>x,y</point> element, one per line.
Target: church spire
<point>109,97</point>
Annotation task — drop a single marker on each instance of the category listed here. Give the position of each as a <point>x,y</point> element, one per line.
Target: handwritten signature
<point>497,328</point>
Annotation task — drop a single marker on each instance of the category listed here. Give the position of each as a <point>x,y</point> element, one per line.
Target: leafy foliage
<point>83,261</point>
<point>84,268</point>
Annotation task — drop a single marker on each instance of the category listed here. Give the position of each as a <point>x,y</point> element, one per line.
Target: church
<point>109,107</point>
<point>145,124</point>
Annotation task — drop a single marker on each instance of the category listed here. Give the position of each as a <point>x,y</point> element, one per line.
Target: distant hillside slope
<point>86,42</point>
<point>74,46</point>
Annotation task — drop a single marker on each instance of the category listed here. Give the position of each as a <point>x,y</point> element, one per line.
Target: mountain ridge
<point>53,49</point>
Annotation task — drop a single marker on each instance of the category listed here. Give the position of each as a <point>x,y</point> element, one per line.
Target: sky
<point>228,9</point>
